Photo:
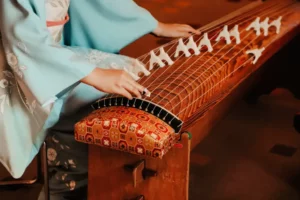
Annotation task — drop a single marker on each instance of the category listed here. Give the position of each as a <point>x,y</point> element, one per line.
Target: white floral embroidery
<point>11,59</point>
<point>3,83</point>
<point>22,46</point>
<point>55,140</point>
<point>3,98</point>
<point>8,74</point>
<point>66,165</point>
<point>63,177</point>
<point>72,185</point>
<point>23,67</point>
<point>51,154</point>
<point>96,57</point>
<point>72,163</point>
<point>6,85</point>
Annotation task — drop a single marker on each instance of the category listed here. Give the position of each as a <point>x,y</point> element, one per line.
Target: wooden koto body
<point>198,88</point>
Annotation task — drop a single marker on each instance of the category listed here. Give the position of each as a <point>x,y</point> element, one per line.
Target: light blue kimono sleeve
<point>107,25</point>
<point>44,70</point>
<point>50,68</point>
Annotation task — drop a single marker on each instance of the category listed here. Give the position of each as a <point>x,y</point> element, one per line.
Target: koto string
<point>191,103</point>
<point>143,82</point>
<point>174,42</point>
<point>211,25</point>
<point>202,29</point>
<point>213,74</point>
<point>218,82</point>
<point>232,21</point>
<point>199,67</point>
<point>189,68</point>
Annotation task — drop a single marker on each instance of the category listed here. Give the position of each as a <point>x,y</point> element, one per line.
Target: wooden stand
<point>122,176</point>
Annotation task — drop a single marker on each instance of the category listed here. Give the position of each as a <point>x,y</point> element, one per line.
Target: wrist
<point>92,77</point>
<point>158,30</point>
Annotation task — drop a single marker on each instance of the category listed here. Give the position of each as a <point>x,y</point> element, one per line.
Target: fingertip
<point>129,97</point>
<point>138,94</point>
<point>187,35</point>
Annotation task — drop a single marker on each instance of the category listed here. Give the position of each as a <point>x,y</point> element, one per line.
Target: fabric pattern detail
<point>110,61</point>
<point>56,157</point>
<point>127,129</point>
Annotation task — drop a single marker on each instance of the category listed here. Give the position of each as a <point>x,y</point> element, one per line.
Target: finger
<point>128,77</point>
<point>195,31</point>
<point>122,91</point>
<point>142,89</point>
<point>132,82</point>
<point>189,29</point>
<point>139,87</point>
<point>182,34</point>
<point>133,90</point>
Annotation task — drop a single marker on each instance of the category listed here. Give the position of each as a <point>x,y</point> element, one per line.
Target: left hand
<point>174,30</point>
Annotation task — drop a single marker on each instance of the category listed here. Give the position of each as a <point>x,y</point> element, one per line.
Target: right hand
<point>174,30</point>
<point>114,81</point>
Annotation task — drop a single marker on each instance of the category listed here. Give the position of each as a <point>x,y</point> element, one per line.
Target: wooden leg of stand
<point>109,180</point>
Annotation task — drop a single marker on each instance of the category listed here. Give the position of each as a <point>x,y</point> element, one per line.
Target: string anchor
<point>265,26</point>
<point>257,54</point>
<point>277,24</point>
<point>181,47</point>
<point>255,25</point>
<point>236,34</point>
<point>224,33</point>
<point>192,45</point>
<point>164,56</point>
<point>155,59</point>
<point>205,42</point>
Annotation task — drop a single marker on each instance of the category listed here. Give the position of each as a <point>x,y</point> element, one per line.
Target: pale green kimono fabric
<point>38,70</point>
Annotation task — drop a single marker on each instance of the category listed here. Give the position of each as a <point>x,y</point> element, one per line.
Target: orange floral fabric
<point>127,129</point>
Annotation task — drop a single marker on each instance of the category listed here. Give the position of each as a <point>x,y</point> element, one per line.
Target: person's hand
<point>174,30</point>
<point>114,81</point>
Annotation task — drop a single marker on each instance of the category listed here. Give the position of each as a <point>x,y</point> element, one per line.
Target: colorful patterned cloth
<point>126,129</point>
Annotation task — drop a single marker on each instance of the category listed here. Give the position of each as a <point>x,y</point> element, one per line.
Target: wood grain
<point>206,106</point>
<point>190,83</point>
<point>108,179</point>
